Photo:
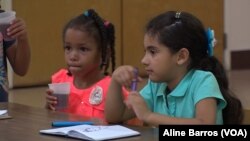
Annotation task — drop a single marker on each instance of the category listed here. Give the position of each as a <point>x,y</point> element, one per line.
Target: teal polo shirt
<point>180,102</point>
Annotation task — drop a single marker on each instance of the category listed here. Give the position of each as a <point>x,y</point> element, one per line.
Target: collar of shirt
<point>180,89</point>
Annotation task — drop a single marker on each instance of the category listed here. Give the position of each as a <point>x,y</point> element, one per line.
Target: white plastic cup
<point>61,91</point>
<point>5,19</point>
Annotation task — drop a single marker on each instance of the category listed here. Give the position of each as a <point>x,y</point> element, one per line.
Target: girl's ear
<point>182,56</point>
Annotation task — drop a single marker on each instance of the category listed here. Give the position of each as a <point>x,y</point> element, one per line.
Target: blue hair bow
<point>86,13</point>
<point>211,41</point>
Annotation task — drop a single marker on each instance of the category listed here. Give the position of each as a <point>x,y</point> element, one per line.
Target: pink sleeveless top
<point>89,102</point>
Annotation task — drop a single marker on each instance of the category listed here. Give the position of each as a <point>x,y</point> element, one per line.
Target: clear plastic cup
<point>61,91</point>
<point>5,19</point>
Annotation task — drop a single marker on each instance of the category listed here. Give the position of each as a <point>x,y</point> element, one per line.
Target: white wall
<point>6,4</point>
<point>237,27</point>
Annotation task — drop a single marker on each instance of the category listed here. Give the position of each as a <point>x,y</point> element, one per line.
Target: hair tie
<point>177,15</point>
<point>211,41</point>
<point>86,13</point>
<point>106,23</point>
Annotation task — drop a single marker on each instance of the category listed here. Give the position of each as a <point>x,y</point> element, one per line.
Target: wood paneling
<point>45,20</point>
<point>136,13</point>
<point>129,17</point>
<point>240,60</point>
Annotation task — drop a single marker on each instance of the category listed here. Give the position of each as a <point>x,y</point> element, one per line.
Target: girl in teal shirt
<point>187,84</point>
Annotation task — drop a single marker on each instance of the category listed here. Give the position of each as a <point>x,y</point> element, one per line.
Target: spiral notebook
<point>93,132</point>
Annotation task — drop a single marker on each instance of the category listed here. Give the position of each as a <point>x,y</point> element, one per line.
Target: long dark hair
<point>102,31</point>
<point>183,30</point>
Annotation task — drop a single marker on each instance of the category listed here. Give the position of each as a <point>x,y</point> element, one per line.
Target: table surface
<point>27,121</point>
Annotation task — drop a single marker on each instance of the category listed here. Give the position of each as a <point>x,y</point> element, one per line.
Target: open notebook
<point>93,132</point>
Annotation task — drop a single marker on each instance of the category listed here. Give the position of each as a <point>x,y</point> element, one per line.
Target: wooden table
<point>27,121</point>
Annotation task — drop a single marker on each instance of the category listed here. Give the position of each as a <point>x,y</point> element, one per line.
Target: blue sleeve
<point>207,86</point>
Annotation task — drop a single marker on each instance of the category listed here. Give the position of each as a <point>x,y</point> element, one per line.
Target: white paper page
<point>107,132</point>
<point>57,131</point>
<point>2,112</point>
<point>94,132</point>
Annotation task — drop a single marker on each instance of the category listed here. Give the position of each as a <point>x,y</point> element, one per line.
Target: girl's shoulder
<point>104,81</point>
<point>61,76</point>
<point>202,75</point>
<point>204,82</point>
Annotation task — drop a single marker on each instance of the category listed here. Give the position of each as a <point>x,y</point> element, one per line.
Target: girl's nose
<point>144,60</point>
<point>73,55</point>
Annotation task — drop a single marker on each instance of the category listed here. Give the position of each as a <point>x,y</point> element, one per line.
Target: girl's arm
<point>19,53</point>
<point>115,108</point>
<point>206,114</point>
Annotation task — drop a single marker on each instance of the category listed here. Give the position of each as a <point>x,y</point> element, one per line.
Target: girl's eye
<point>152,51</point>
<point>67,48</point>
<point>84,49</point>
